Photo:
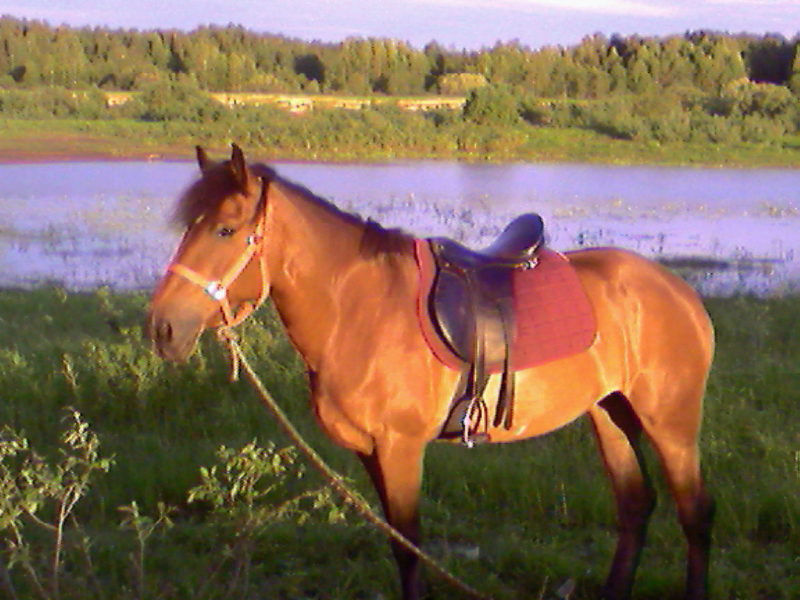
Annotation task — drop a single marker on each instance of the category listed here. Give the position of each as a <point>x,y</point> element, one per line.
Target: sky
<point>470,24</point>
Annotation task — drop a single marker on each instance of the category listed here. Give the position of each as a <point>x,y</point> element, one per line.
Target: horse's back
<point>622,279</point>
<point>628,271</point>
<point>666,330</point>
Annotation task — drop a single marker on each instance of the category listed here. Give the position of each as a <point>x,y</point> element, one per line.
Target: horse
<point>345,290</point>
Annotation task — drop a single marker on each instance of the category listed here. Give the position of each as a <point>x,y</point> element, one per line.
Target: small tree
<point>456,84</point>
<point>180,100</point>
<point>492,105</point>
<point>794,77</point>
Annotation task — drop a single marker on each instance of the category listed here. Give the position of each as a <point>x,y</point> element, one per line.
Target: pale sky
<point>468,24</point>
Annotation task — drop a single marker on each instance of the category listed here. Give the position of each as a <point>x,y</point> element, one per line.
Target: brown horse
<point>346,290</point>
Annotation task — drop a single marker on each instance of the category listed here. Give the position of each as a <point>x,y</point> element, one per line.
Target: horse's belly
<point>549,397</point>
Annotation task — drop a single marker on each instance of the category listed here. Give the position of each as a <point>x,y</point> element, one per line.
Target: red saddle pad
<point>554,318</point>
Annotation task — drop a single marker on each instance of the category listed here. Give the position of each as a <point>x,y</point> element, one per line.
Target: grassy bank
<point>355,137</point>
<point>56,139</point>
<point>539,512</point>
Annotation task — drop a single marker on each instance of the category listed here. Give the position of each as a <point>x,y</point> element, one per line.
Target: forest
<point>700,86</point>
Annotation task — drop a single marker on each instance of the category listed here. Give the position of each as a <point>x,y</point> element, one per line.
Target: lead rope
<point>239,362</point>
<point>227,336</point>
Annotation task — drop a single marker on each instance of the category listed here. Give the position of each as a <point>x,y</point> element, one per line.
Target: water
<point>87,224</point>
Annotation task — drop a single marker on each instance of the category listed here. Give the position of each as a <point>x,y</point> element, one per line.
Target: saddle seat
<point>515,247</point>
<point>472,307</point>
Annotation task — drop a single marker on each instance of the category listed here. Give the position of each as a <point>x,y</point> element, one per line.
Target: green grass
<point>22,139</point>
<point>583,145</point>
<point>540,512</point>
<point>127,138</point>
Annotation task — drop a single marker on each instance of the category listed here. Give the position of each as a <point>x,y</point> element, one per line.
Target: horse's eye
<point>225,232</point>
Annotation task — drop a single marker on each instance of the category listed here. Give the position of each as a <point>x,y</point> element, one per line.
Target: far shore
<point>74,141</point>
<point>24,141</point>
<point>37,157</point>
<point>10,157</point>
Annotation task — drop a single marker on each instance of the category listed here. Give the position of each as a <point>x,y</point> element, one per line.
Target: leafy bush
<point>252,487</point>
<point>41,494</point>
<point>177,100</point>
<point>457,84</point>
<point>615,118</point>
<point>750,113</point>
<point>713,128</point>
<point>674,126</point>
<point>492,105</point>
<point>48,554</point>
<point>761,130</point>
<point>49,102</point>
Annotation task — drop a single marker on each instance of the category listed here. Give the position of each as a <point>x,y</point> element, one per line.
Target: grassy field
<point>65,139</point>
<point>516,521</point>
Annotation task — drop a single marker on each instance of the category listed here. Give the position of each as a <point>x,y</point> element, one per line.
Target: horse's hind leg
<point>618,430</point>
<point>676,445</point>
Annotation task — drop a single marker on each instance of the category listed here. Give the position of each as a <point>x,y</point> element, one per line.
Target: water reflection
<point>87,224</point>
<point>726,231</point>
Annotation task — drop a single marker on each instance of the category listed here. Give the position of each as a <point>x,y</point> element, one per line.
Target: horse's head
<point>218,275</point>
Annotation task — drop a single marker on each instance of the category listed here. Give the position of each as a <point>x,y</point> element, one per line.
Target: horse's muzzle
<point>173,338</point>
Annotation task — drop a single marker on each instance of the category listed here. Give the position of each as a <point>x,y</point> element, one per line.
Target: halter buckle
<point>216,290</point>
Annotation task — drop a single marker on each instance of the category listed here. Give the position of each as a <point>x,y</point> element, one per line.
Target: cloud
<point>630,8</point>
<point>779,4</point>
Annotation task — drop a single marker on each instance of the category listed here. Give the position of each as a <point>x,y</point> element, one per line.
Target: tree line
<point>33,53</point>
<point>699,86</point>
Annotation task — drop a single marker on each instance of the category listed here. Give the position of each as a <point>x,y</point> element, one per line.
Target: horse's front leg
<point>395,467</point>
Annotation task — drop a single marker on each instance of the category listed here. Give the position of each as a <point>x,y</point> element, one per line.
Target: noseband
<point>217,289</point>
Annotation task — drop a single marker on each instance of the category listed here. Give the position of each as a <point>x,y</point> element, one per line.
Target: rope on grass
<point>239,362</point>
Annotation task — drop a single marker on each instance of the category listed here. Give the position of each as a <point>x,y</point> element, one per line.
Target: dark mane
<point>376,241</point>
<point>379,241</point>
<point>206,194</point>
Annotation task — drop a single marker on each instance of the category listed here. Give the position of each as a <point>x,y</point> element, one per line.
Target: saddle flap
<point>461,310</point>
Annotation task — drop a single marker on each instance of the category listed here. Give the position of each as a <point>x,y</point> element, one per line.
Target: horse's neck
<point>318,259</point>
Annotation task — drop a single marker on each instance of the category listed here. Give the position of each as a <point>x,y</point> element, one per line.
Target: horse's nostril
<point>173,336</point>
<point>164,331</point>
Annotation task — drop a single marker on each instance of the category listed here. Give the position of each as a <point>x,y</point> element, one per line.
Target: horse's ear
<point>239,166</point>
<point>202,159</point>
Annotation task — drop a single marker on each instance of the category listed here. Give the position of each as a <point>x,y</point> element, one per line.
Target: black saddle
<point>472,307</point>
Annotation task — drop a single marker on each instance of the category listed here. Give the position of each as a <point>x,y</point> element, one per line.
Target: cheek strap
<point>217,290</point>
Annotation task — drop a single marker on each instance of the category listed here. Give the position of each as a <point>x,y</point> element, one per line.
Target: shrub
<point>460,83</point>
<point>674,126</point>
<point>492,105</point>
<point>177,101</point>
<point>42,494</point>
<point>759,129</point>
<point>49,102</point>
<point>713,128</point>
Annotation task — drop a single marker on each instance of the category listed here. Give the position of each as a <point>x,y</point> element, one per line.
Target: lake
<point>86,224</point>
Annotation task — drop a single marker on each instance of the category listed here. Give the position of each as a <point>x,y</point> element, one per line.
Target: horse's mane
<point>206,194</point>
<point>376,240</point>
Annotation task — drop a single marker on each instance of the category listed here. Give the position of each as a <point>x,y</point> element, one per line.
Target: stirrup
<point>469,430</point>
